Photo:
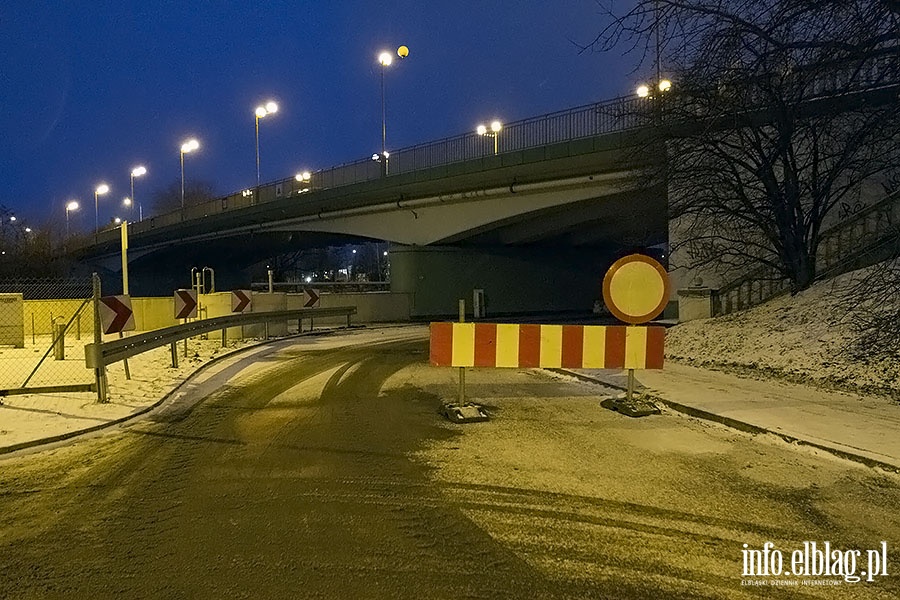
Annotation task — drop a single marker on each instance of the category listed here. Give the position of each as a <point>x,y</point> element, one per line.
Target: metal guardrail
<point>98,356</point>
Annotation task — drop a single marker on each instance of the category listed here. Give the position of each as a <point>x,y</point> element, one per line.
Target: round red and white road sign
<point>636,289</point>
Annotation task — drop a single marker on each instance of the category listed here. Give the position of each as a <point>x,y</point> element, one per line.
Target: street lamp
<point>128,203</point>
<point>73,205</point>
<point>663,85</point>
<point>137,172</point>
<point>385,59</point>
<point>493,132</point>
<point>188,146</point>
<point>101,189</point>
<point>262,111</point>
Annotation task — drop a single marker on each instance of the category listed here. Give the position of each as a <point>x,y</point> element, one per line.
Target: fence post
<point>100,370</point>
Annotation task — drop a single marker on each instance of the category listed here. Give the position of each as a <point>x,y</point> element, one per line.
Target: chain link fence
<point>44,325</point>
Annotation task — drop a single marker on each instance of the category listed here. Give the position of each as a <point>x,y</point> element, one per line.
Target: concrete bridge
<point>533,217</point>
<point>534,225</point>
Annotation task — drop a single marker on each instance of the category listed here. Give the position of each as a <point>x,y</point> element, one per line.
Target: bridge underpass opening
<point>520,280</point>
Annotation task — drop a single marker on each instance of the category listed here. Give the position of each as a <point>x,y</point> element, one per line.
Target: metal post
<point>124,230</point>
<point>184,322</point>
<point>267,330</point>
<point>99,371</point>
<point>257,151</point>
<point>462,370</point>
<point>383,118</point>
<point>33,335</point>
<point>224,338</point>
<point>270,280</point>
<point>77,326</point>
<point>174,350</point>
<point>630,389</point>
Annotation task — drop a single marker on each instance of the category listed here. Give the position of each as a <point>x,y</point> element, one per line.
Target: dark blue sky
<point>91,88</point>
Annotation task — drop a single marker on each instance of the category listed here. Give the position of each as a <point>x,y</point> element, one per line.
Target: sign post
<point>462,370</point>
<point>125,282</point>
<point>635,290</point>
<point>185,308</point>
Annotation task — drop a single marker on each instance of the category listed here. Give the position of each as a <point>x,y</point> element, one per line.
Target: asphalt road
<point>326,472</point>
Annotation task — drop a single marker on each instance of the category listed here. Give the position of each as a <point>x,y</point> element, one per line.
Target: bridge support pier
<point>515,280</point>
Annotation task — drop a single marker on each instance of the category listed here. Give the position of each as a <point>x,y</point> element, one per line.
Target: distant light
<point>402,51</point>
<point>190,146</point>
<point>385,252</point>
<point>138,171</point>
<point>496,126</point>
<point>643,91</point>
<point>72,205</point>
<point>385,59</point>
<point>271,107</point>
<point>260,111</point>
<point>117,220</point>
<point>354,251</point>
<point>303,176</point>
<point>28,230</point>
<point>308,279</point>
<point>102,189</point>
<point>481,130</point>
<point>386,154</point>
<point>665,85</point>
<point>376,156</point>
<point>246,193</point>
<point>12,218</point>
<point>127,201</point>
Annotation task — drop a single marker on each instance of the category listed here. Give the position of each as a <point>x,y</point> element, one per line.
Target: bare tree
<point>777,113</point>
<point>169,199</point>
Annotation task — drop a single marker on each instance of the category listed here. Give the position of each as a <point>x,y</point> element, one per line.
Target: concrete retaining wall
<point>158,312</point>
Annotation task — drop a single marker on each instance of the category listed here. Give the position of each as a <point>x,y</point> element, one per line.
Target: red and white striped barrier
<point>546,346</point>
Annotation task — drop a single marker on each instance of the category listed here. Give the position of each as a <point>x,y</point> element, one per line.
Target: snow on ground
<point>803,338</point>
<point>24,418</point>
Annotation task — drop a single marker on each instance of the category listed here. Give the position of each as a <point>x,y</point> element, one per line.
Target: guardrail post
<point>224,340</point>
<point>100,370</point>
<point>174,347</point>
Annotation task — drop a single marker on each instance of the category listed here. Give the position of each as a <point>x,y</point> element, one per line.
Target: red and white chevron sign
<point>312,298</point>
<point>185,304</point>
<point>116,314</point>
<point>241,301</point>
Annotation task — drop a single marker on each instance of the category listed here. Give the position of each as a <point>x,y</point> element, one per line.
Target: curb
<point>4,450</point>
<point>742,425</point>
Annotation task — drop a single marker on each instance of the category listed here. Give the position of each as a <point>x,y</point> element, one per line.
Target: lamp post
<point>262,111</point>
<point>493,132</point>
<point>73,205</point>
<point>137,172</point>
<point>385,59</point>
<point>129,204</point>
<point>188,146</point>
<point>101,189</point>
